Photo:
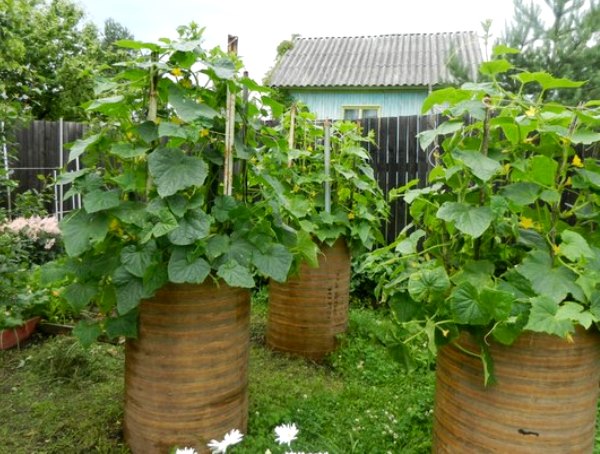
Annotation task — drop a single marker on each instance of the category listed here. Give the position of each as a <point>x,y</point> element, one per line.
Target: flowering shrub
<point>38,236</point>
<point>25,243</point>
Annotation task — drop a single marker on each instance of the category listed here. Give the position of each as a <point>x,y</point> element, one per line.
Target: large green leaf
<point>81,145</point>
<point>307,249</point>
<point>188,109</point>
<point>127,150</point>
<point>585,137</point>
<point>129,295</point>
<point>78,294</point>
<point>222,207</point>
<point>87,332</point>
<point>546,80</point>
<point>427,284</point>
<point>124,325</point>
<point>554,282</point>
<point>99,200</point>
<point>521,194</point>
<point>543,170</point>
<point>482,167</point>
<point>275,263</point>
<point>80,230</point>
<point>183,267</point>
<point>542,318</point>
<point>493,67</point>
<point>575,313</point>
<point>574,246</point>
<point>136,260</point>
<point>173,171</point>
<point>469,219</point>
<point>194,226</point>
<point>465,306</point>
<point>217,246</point>
<point>236,275</point>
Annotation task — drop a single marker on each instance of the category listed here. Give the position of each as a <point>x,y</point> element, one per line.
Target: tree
<point>49,56</point>
<point>566,45</point>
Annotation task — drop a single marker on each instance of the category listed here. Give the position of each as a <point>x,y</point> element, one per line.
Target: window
<point>359,112</point>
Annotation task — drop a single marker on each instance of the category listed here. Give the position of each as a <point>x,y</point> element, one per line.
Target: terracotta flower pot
<point>307,312</point>
<point>11,337</point>
<point>186,376</point>
<point>545,400</point>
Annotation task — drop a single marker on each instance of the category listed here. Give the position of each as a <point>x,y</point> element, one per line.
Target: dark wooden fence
<point>398,158</point>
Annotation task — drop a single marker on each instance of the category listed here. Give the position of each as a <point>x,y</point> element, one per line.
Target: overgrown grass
<point>59,398</point>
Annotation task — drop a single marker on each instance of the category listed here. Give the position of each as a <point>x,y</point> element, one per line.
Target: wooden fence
<point>39,150</point>
<point>396,157</point>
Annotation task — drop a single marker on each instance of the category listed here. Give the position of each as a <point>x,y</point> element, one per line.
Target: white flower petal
<point>286,433</point>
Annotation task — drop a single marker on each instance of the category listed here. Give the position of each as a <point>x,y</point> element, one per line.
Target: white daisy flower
<point>185,451</point>
<point>231,438</point>
<point>286,433</point>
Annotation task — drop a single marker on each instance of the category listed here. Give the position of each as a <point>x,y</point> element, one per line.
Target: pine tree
<point>561,37</point>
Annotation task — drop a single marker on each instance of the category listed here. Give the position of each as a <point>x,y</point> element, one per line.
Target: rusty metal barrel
<point>544,401</point>
<point>186,375</point>
<point>307,312</point>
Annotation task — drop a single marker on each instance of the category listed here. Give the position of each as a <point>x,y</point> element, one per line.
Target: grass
<point>57,397</point>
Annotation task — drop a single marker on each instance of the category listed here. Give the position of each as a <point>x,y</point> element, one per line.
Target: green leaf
<point>124,325</point>
<point>404,307</point>
<point>275,263</point>
<point>127,150</point>
<point>543,170</point>
<point>465,306</point>
<point>472,220</point>
<point>166,223</point>
<point>217,246</point>
<point>501,49</point>
<point>497,303</point>
<point>183,267</point>
<point>426,138</point>
<point>444,97</point>
<point>187,109</point>
<point>129,295</point>
<point>585,137</point>
<point>553,282</point>
<point>235,275</point>
<point>167,129</point>
<point>493,67</point>
<point>80,229</point>
<point>99,200</point>
<point>546,80</point>
<point>409,245</point>
<point>425,284</point>
<point>173,171</point>
<point>137,45</point>
<point>482,167</point>
<point>78,295</point>
<point>137,260</point>
<point>81,145</point>
<point>194,226</point>
<point>575,313</point>
<point>223,205</point>
<point>542,318</point>
<point>574,246</point>
<point>87,332</point>
<point>521,194</point>
<point>307,249</point>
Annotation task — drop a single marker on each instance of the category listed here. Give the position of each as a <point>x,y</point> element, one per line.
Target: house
<point>373,76</point>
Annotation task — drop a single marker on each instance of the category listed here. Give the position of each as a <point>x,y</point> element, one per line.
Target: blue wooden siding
<point>391,103</point>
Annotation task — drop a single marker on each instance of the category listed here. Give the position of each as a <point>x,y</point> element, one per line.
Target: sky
<point>261,25</point>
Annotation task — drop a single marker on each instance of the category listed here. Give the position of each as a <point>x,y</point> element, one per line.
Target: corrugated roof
<point>376,61</point>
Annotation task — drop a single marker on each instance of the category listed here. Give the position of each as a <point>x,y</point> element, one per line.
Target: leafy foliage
<point>297,173</point>
<point>154,209</point>
<point>505,237</point>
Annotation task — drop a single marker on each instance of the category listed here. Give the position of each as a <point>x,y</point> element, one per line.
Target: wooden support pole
<point>232,42</point>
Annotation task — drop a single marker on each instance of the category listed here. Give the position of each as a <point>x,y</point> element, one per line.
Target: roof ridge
<point>459,32</point>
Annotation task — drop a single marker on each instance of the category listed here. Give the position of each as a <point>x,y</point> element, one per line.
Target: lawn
<point>60,398</point>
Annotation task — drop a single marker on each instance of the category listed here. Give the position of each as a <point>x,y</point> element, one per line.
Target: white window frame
<point>360,108</point>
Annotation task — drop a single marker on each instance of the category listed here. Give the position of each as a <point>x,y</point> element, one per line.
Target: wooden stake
<point>232,42</point>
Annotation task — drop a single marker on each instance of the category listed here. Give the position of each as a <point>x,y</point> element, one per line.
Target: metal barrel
<point>544,401</point>
<point>308,311</point>
<point>186,375</point>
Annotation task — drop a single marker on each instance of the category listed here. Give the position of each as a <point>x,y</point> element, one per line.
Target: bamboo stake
<point>292,131</point>
<point>327,126</point>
